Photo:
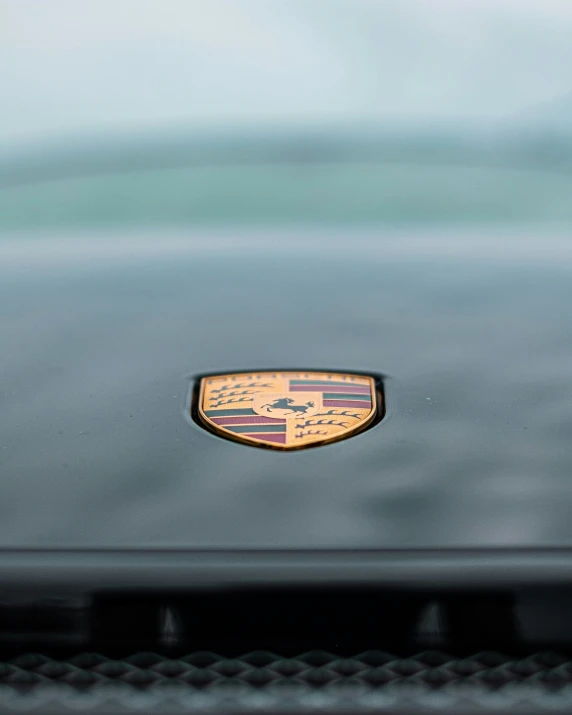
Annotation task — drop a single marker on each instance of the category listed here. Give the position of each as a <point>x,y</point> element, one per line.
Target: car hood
<point>103,337</point>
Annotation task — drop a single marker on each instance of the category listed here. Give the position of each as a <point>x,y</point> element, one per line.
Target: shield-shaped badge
<point>287,410</point>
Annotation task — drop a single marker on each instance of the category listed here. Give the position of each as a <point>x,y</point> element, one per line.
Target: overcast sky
<point>78,67</point>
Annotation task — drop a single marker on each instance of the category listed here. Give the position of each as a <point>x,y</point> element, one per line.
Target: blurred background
<point>243,112</point>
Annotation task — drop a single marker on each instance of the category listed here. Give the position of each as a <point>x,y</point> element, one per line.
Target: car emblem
<point>287,410</point>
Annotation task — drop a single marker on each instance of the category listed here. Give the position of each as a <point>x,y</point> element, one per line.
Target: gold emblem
<point>287,410</point>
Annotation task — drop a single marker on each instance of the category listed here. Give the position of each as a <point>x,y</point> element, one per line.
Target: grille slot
<point>287,649</point>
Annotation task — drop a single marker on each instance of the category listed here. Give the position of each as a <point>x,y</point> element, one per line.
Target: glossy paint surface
<point>103,335</point>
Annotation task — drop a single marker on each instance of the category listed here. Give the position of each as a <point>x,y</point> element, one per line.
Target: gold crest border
<point>376,412</point>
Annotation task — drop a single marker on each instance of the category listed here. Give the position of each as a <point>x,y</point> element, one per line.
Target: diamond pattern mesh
<point>262,681</point>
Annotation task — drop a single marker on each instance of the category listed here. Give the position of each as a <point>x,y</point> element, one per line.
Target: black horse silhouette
<point>287,403</point>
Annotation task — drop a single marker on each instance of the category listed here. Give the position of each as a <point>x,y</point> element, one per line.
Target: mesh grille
<point>262,681</point>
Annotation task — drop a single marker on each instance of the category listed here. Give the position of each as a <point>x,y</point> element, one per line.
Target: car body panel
<point>103,339</point>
